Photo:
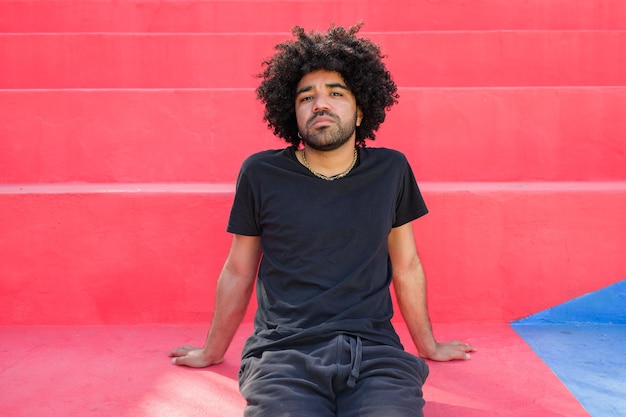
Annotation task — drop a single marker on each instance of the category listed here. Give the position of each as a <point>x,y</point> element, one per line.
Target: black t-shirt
<point>325,267</point>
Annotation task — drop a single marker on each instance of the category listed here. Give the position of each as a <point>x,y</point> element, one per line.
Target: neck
<point>329,165</point>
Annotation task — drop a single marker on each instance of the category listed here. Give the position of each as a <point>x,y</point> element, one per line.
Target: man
<point>329,220</point>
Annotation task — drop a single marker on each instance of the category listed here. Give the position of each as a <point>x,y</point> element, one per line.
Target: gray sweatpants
<point>342,377</point>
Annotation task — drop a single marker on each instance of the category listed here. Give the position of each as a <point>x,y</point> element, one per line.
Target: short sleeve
<point>409,203</point>
<point>244,213</point>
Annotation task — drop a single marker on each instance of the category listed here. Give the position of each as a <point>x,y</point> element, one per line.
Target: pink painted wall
<point>151,254</point>
<point>197,135</point>
<point>270,16</point>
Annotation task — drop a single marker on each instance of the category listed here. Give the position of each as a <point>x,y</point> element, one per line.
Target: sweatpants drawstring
<point>356,352</point>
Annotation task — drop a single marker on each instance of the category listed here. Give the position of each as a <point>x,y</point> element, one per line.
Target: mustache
<point>321,113</point>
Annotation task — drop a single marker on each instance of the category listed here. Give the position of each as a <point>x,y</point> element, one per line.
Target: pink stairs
<point>122,128</point>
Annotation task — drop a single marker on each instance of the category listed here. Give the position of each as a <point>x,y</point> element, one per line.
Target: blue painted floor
<point>584,343</point>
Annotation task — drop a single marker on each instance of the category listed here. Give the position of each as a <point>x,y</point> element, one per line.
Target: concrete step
<point>124,371</point>
<point>151,253</point>
<point>227,60</point>
<point>272,16</point>
<point>109,253</point>
<point>203,135</point>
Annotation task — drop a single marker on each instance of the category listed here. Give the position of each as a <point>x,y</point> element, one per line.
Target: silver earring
<point>299,135</point>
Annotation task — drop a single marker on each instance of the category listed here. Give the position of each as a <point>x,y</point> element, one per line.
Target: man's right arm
<point>234,289</point>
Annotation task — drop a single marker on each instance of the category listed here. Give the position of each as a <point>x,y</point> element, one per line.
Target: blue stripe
<point>584,343</point>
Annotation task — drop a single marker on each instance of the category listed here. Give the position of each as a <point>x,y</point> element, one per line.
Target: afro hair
<point>358,60</point>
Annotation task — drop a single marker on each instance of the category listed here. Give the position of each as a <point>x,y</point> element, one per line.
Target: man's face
<point>326,110</point>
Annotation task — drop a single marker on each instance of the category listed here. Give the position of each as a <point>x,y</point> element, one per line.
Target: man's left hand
<point>448,351</point>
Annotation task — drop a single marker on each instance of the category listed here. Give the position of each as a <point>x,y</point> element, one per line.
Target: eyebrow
<point>329,85</point>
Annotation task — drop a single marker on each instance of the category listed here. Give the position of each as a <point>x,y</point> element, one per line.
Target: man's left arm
<point>409,283</point>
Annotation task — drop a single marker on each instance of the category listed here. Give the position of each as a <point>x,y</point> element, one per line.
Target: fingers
<point>467,348</point>
<point>181,351</point>
<point>193,357</point>
<point>464,350</point>
<point>180,356</point>
<point>179,360</point>
<point>457,350</point>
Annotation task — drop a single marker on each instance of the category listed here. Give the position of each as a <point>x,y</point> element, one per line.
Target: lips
<point>321,121</point>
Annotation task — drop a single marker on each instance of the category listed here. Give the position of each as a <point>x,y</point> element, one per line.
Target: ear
<point>359,116</point>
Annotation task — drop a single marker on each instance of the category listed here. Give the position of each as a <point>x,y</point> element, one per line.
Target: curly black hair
<point>358,60</point>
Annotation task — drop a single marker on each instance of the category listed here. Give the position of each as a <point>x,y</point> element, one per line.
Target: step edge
<point>229,188</point>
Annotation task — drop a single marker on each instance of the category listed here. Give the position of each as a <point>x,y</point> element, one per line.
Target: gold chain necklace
<point>332,177</point>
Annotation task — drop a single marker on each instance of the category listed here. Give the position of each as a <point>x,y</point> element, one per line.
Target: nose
<point>320,103</point>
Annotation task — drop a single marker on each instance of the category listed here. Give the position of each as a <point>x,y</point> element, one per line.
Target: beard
<point>329,138</point>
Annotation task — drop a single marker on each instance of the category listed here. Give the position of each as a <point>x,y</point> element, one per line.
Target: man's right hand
<point>192,356</point>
